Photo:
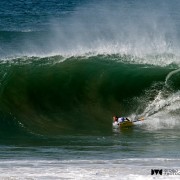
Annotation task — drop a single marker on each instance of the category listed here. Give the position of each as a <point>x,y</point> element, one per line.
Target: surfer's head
<point>115,118</point>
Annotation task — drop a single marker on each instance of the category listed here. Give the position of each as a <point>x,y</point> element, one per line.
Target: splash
<point>163,111</point>
<point>110,29</point>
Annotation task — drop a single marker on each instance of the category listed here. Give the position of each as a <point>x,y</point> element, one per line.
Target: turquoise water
<point>67,67</point>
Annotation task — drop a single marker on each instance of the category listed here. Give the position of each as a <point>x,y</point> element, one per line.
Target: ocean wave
<point>53,95</point>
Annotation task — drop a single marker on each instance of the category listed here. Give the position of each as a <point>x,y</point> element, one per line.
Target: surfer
<point>120,119</point>
<point>121,122</point>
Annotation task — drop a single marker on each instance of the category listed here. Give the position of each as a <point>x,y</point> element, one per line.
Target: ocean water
<point>67,67</point>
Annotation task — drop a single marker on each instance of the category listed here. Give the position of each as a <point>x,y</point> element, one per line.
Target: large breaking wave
<point>54,95</point>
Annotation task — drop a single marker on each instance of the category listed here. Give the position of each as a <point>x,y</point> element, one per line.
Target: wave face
<point>54,95</point>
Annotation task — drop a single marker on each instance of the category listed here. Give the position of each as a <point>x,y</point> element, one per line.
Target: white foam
<point>86,169</point>
<point>163,112</point>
